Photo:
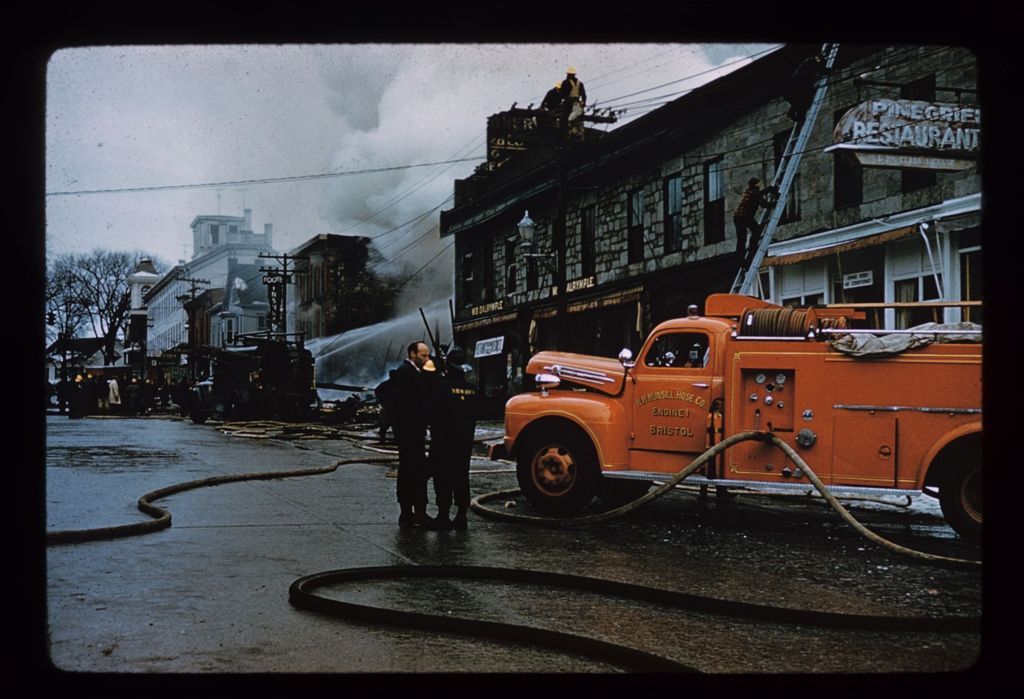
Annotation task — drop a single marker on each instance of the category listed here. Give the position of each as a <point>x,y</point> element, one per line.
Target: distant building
<point>216,240</point>
<point>336,288</point>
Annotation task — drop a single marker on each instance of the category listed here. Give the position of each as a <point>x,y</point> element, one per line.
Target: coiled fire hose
<point>477,506</point>
<point>301,592</point>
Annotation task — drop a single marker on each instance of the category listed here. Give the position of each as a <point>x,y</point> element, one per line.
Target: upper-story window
<point>792,212</point>
<point>848,176</point>
<point>588,233</point>
<point>511,265</point>
<point>214,234</point>
<point>673,213</point>
<point>714,201</point>
<point>635,246</point>
<point>921,89</point>
<point>467,278</point>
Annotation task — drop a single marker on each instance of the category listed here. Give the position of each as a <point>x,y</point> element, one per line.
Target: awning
<point>858,244</point>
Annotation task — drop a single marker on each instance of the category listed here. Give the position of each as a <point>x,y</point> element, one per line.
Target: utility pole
<point>277,280</point>
<point>190,338</point>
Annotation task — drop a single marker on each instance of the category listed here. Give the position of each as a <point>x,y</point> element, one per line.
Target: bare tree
<point>93,292</point>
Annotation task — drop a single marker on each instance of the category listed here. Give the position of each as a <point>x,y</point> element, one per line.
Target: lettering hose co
<point>302,592</point>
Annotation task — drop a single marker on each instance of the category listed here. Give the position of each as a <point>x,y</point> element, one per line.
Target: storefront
<point>927,254</point>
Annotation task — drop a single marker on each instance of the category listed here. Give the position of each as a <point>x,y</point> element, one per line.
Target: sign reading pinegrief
<point>911,133</point>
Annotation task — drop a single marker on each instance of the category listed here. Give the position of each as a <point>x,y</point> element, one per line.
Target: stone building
<point>632,225</point>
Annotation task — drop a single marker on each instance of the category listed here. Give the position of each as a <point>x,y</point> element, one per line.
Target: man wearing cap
<point>453,408</point>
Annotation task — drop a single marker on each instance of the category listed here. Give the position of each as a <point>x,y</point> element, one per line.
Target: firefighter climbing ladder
<point>789,163</point>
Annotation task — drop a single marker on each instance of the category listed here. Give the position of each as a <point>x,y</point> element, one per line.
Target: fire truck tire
<point>616,492</point>
<point>557,472</point>
<point>960,500</point>
<point>198,417</point>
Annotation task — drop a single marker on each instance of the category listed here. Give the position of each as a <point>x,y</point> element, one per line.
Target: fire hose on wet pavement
<point>302,592</point>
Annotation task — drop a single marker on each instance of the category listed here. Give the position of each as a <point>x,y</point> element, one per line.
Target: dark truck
<point>256,377</point>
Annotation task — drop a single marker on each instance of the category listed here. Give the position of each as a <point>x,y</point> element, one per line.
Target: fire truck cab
<point>901,420</point>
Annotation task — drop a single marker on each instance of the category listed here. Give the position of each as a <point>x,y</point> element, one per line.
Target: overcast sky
<point>138,117</point>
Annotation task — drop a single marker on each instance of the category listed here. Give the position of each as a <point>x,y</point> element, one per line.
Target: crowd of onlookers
<point>87,394</point>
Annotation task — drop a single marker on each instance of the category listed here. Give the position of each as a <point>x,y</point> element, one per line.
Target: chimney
<point>247,225</point>
<point>268,231</point>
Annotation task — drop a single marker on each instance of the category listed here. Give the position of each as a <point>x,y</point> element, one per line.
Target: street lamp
<point>527,229</point>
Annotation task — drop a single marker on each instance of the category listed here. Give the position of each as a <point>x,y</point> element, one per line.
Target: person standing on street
<point>453,408</point>
<point>114,395</point>
<point>408,395</point>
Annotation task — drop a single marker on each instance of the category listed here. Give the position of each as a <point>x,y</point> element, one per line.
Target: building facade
<point>336,288</point>
<point>219,242</point>
<point>632,226</point>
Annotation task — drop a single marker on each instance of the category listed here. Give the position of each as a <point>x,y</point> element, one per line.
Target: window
<point>678,350</point>
<point>970,275</point>
<point>587,234</point>
<point>261,321</point>
<point>714,201</point>
<point>673,213</point>
<point>467,279</point>
<point>511,266</point>
<point>792,212</point>
<point>214,234</point>
<point>848,177</point>
<point>232,231</point>
<point>922,89</point>
<point>921,288</point>
<point>635,246</point>
<point>486,291</point>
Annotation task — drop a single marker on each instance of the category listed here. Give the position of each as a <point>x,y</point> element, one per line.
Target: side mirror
<point>546,382</point>
<point>626,358</point>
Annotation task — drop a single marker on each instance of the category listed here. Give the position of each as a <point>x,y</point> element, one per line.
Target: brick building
<point>634,224</point>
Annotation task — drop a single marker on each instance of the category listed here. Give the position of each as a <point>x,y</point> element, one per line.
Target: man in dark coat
<point>799,91</point>
<point>408,394</point>
<point>453,408</point>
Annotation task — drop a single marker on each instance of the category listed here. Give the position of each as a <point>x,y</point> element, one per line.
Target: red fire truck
<point>868,410</point>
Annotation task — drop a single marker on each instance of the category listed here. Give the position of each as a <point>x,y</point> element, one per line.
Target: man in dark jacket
<point>745,220</point>
<point>408,396</point>
<point>453,408</point>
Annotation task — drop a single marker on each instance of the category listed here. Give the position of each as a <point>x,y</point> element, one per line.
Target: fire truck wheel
<point>198,417</point>
<point>616,492</point>
<point>558,472</point>
<point>960,500</point>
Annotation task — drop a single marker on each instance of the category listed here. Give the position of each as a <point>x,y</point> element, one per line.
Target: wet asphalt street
<point>209,594</point>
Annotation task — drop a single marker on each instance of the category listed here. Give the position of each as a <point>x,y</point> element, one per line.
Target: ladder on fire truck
<point>746,278</point>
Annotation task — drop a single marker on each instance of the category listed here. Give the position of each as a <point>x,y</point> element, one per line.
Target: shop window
<point>678,350</point>
<point>635,248</point>
<point>714,201</point>
<point>588,231</point>
<point>848,176</point>
<point>970,276</point>
<point>673,213</point>
<point>921,288</point>
<point>922,89</point>
<point>792,212</point>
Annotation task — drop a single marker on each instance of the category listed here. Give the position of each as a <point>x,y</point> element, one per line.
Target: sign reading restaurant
<point>910,133</point>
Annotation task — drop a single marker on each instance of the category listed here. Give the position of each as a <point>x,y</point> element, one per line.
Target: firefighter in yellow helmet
<point>574,99</point>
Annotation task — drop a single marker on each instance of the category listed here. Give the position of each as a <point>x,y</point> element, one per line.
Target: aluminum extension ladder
<point>784,175</point>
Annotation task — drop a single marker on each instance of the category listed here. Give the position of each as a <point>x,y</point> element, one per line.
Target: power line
<point>267,180</point>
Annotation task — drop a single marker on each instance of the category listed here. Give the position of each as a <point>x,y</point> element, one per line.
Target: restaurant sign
<point>910,134</point>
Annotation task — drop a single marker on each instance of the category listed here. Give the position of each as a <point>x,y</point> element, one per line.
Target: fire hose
<point>302,591</point>
<point>477,503</point>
